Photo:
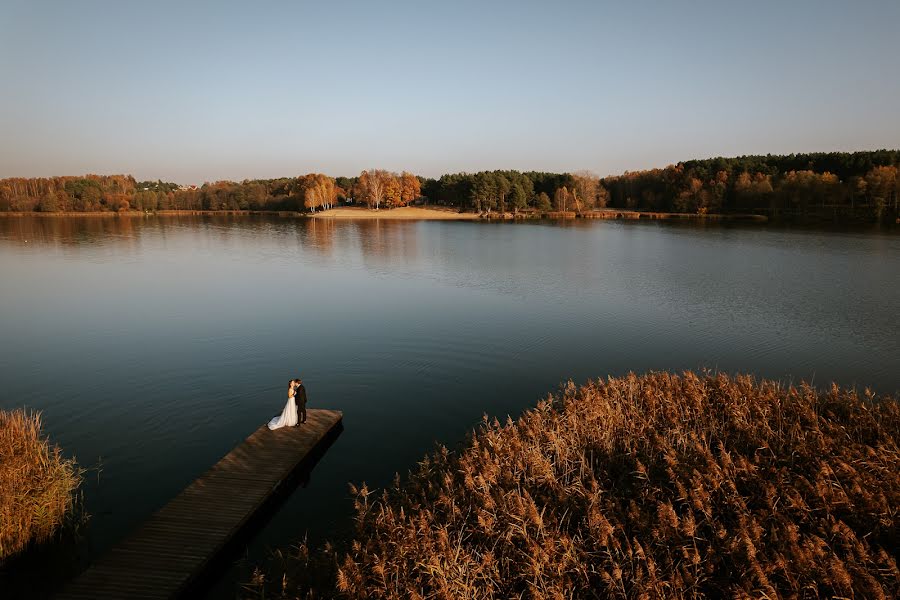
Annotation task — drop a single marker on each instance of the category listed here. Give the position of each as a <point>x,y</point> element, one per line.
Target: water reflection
<point>173,334</point>
<point>319,236</point>
<point>49,231</point>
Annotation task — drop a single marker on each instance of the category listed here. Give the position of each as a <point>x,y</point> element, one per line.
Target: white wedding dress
<point>287,418</point>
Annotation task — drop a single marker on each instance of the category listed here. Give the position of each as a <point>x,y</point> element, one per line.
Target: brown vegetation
<point>659,486</point>
<point>37,485</point>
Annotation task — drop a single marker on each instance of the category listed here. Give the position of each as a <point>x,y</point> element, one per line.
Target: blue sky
<point>194,91</point>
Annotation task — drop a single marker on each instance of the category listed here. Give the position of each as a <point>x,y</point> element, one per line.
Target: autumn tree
<point>320,192</point>
<point>256,194</point>
<point>562,199</point>
<point>370,187</point>
<point>392,190</point>
<point>410,188</point>
<point>310,200</point>
<point>883,187</point>
<point>63,201</point>
<point>116,201</point>
<point>753,190</point>
<point>801,189</point>
<point>586,191</point>
<point>690,197</point>
<point>48,203</point>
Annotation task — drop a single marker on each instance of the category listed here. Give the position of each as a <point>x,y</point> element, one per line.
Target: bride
<point>288,417</point>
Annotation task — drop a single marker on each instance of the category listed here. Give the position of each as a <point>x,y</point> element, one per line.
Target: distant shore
<point>409,213</point>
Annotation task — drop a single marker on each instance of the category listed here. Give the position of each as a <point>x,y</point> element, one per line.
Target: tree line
<point>862,185</point>
<point>838,185</point>
<point>91,193</point>
<point>513,191</point>
<point>833,185</point>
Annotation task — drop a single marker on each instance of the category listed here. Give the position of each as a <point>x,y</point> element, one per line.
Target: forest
<point>838,186</point>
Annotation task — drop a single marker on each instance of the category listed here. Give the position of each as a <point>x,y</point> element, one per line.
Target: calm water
<point>154,346</point>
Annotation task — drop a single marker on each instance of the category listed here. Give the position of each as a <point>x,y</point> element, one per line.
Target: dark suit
<point>300,399</point>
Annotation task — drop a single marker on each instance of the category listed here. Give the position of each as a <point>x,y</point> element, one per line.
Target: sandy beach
<point>406,212</point>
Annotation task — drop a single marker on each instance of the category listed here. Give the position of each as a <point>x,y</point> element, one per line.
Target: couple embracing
<point>296,403</point>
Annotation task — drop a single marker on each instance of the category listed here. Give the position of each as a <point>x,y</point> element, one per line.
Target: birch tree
<point>371,185</point>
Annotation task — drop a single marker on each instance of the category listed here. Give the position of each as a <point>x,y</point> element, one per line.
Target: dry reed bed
<point>37,485</point>
<point>655,486</point>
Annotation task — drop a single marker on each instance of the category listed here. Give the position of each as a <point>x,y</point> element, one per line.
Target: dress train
<point>287,418</point>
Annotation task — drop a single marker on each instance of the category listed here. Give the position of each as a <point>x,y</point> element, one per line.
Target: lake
<point>154,345</point>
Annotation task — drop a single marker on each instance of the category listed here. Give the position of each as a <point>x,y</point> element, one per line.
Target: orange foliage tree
<point>883,187</point>
<point>320,192</point>
<point>371,187</point>
<point>410,188</point>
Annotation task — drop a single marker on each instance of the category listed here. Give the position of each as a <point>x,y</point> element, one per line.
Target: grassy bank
<point>37,485</point>
<point>659,486</point>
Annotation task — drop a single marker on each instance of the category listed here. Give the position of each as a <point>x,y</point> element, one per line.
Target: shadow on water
<point>37,572</point>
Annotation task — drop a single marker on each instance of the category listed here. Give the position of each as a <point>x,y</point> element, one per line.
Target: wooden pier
<point>168,554</point>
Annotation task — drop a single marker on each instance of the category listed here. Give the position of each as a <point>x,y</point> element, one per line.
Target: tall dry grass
<point>655,486</point>
<point>37,485</point>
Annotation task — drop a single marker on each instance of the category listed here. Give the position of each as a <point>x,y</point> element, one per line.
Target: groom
<point>300,399</point>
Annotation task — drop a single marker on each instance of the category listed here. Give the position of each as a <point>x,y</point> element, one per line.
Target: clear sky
<point>192,91</point>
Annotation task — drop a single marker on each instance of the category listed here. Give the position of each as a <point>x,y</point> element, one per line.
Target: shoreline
<point>429,213</point>
<point>405,213</point>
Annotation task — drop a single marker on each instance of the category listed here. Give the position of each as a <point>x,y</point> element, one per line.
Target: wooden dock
<point>168,554</point>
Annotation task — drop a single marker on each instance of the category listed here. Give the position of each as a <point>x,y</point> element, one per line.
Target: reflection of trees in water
<point>75,231</point>
<point>376,242</point>
<point>125,232</point>
<point>387,242</point>
<point>320,236</point>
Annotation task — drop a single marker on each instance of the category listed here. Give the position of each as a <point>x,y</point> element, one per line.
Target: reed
<point>654,486</point>
<point>37,485</point>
